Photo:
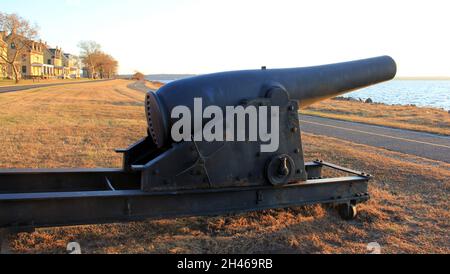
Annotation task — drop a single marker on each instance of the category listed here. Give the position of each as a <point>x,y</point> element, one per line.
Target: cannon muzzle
<point>306,85</point>
<point>313,84</point>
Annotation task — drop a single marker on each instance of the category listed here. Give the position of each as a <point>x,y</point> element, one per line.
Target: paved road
<point>26,87</point>
<point>425,145</point>
<point>139,86</point>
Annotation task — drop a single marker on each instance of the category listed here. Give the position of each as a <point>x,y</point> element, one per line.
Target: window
<point>49,62</point>
<point>13,46</point>
<point>24,69</point>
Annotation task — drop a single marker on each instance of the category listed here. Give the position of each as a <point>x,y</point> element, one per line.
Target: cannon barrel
<point>306,85</point>
<point>313,84</point>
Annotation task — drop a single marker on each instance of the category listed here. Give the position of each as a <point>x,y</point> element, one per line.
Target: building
<point>4,54</point>
<point>72,66</point>
<point>54,61</point>
<point>30,57</point>
<point>37,60</point>
<point>29,63</point>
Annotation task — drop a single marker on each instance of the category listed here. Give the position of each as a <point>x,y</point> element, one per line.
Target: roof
<point>28,45</point>
<point>53,52</point>
<point>69,55</point>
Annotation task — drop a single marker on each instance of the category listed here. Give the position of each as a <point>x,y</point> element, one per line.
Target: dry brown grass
<point>70,126</point>
<point>79,125</point>
<point>154,85</point>
<point>431,120</point>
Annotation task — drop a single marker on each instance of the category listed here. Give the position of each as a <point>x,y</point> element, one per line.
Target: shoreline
<point>361,100</point>
<point>154,85</point>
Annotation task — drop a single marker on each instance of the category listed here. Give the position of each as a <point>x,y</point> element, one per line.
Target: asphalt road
<point>425,145</point>
<point>139,86</point>
<point>26,87</point>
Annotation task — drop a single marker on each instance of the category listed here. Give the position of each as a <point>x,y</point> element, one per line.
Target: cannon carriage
<point>164,178</point>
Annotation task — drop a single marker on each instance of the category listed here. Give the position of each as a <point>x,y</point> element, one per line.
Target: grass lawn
<point>80,125</point>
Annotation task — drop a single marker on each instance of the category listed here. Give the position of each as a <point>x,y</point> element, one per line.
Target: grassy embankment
<point>430,120</point>
<point>80,125</point>
<point>154,85</point>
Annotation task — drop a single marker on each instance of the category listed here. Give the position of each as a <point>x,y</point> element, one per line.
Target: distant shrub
<point>138,76</point>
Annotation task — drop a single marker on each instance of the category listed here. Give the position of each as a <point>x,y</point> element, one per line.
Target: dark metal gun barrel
<point>307,85</point>
<point>313,84</point>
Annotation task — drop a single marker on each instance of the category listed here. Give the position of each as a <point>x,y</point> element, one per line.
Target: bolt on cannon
<point>214,165</point>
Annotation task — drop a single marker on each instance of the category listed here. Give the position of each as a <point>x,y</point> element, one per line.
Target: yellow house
<point>71,66</point>
<point>29,63</point>
<point>53,60</point>
<point>3,53</point>
<point>33,60</point>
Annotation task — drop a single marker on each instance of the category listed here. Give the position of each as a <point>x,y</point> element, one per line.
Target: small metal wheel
<point>279,170</point>
<point>347,212</point>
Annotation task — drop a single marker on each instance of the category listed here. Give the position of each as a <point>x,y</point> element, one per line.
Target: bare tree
<point>98,63</point>
<point>107,66</point>
<point>19,34</point>
<point>89,55</point>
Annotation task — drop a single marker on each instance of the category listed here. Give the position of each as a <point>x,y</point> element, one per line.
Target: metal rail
<point>54,180</point>
<point>61,200</point>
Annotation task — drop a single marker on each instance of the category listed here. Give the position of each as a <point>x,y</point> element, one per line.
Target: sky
<point>204,36</point>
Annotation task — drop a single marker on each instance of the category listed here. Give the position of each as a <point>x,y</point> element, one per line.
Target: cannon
<point>165,176</point>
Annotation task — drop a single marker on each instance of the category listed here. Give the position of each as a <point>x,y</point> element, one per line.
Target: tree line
<point>19,34</point>
<point>97,63</point>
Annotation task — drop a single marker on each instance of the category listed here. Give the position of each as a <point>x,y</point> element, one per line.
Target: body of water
<point>164,81</point>
<point>423,93</point>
